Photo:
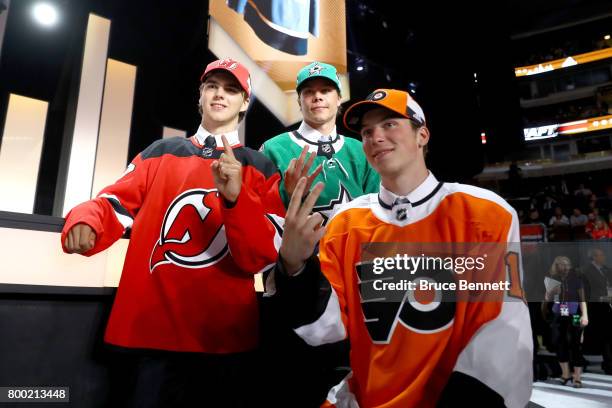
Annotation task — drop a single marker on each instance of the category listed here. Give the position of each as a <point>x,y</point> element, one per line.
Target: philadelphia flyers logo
<point>418,311</point>
<point>377,96</point>
<point>192,234</point>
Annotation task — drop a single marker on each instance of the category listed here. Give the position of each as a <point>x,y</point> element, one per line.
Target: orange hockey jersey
<point>404,353</point>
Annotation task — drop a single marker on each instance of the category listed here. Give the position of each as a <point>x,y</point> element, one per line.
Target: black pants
<point>599,332</point>
<point>160,379</point>
<point>566,338</point>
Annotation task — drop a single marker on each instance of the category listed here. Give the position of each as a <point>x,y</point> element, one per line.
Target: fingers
<point>302,157</point>
<point>308,165</point>
<point>314,222</point>
<point>296,198</point>
<point>81,238</point>
<point>68,242</point>
<point>227,147</point>
<point>310,201</point>
<point>290,169</point>
<point>223,169</point>
<point>315,174</point>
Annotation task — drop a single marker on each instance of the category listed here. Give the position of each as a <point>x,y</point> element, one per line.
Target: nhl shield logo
<point>207,151</point>
<point>326,148</point>
<point>400,214</point>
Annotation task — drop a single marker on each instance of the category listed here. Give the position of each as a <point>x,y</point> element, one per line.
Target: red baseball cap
<point>394,100</point>
<point>233,67</point>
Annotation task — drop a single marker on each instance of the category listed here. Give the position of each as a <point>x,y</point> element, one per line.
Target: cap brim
<point>354,114</point>
<point>229,71</point>
<point>331,81</point>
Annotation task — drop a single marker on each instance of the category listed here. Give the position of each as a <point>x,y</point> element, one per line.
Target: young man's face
<point>391,144</point>
<point>319,101</point>
<point>222,99</point>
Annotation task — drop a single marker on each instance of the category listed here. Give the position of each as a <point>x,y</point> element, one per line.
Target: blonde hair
<point>554,268</point>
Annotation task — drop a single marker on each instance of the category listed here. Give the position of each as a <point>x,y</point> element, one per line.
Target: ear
<point>422,136</point>
<point>245,104</point>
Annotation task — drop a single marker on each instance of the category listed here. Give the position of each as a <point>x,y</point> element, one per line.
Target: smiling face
<point>392,145</point>
<point>319,101</point>
<point>221,100</point>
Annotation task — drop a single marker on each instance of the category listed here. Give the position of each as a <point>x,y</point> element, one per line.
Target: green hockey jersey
<point>346,172</point>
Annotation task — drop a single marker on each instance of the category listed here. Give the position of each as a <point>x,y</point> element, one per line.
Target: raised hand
<point>302,229</point>
<point>81,238</point>
<point>227,172</point>
<point>297,169</point>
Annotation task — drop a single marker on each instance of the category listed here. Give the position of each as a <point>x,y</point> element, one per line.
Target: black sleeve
<point>463,390</point>
<point>304,297</point>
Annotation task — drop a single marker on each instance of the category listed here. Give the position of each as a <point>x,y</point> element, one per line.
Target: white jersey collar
<point>416,197</point>
<point>202,134</point>
<point>313,135</point>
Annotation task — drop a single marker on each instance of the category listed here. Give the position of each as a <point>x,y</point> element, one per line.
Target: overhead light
<point>607,37</point>
<point>45,14</point>
<point>359,68</point>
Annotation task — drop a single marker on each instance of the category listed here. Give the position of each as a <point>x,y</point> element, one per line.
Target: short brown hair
<point>416,126</point>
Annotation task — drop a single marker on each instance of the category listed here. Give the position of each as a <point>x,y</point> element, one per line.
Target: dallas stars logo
<point>327,210</point>
<point>315,70</point>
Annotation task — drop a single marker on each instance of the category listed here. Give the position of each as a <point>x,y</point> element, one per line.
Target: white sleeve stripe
<point>125,221</point>
<point>341,396</point>
<point>508,373</point>
<point>326,329</point>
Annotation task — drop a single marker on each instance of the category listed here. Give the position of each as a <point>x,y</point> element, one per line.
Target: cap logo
<point>377,96</point>
<point>315,70</point>
<point>228,63</point>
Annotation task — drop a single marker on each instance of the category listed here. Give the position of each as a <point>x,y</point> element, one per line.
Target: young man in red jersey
<point>203,218</point>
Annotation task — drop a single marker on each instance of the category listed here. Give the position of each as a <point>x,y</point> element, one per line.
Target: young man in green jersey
<point>339,160</point>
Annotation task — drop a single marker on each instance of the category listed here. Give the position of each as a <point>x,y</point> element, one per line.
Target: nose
<point>378,134</point>
<point>219,92</point>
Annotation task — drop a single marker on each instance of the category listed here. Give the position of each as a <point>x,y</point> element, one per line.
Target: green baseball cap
<point>318,70</point>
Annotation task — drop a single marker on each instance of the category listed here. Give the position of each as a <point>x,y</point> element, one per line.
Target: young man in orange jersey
<point>186,307</point>
<point>405,353</point>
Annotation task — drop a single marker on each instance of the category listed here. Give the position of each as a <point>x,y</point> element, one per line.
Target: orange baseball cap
<point>235,68</point>
<point>397,101</point>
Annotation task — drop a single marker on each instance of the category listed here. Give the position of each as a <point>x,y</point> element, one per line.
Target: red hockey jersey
<point>187,280</point>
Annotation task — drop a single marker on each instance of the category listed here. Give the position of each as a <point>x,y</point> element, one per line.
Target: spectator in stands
<point>582,191</point>
<point>570,316</point>
<point>597,278</point>
<point>600,230</point>
<point>548,206</point>
<point>591,221</point>
<point>558,219</point>
<point>534,217</point>
<point>578,218</point>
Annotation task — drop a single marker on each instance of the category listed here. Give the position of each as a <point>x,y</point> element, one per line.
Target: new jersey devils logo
<point>192,234</point>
